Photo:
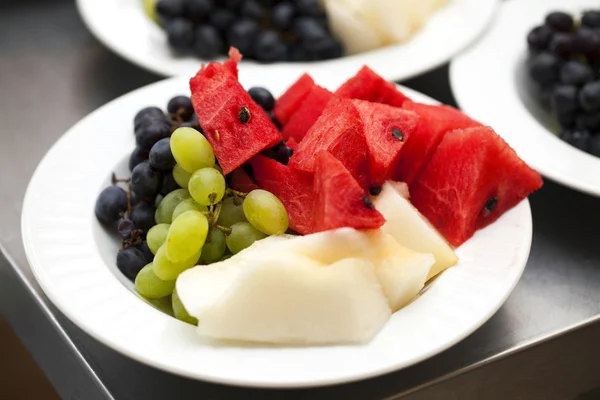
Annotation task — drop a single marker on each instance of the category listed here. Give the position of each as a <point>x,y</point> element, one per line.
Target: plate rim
<point>47,286</point>
<point>484,18</point>
<point>467,66</point>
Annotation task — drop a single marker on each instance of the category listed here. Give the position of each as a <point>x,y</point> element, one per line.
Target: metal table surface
<point>53,72</point>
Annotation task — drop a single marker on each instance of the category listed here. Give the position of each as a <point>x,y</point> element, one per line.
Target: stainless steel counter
<point>53,72</point>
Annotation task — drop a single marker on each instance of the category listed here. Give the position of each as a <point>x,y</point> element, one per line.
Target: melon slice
<point>471,180</point>
<point>386,131</point>
<point>410,229</point>
<point>294,189</point>
<point>299,301</point>
<point>307,113</point>
<point>241,181</point>
<point>271,294</point>
<point>340,285</point>
<point>348,23</point>
<point>218,99</point>
<point>436,121</point>
<point>339,199</point>
<point>402,272</point>
<point>367,85</point>
<point>288,103</point>
<point>339,130</point>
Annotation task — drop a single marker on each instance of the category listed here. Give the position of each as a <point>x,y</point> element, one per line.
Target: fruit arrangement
<point>564,62</point>
<point>264,30</point>
<point>312,218</point>
<point>177,210</point>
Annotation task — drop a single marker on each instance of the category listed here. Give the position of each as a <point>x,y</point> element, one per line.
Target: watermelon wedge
<point>306,114</point>
<point>471,180</point>
<point>339,130</point>
<point>294,189</point>
<point>387,130</point>
<point>287,104</point>
<point>292,144</point>
<point>436,121</point>
<point>242,182</point>
<point>339,199</point>
<point>218,100</point>
<point>368,85</point>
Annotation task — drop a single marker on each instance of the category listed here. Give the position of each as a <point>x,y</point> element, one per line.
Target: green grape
<point>156,236</point>
<point>164,304</point>
<point>191,149</point>
<point>226,257</point>
<point>186,236</point>
<point>214,247</point>
<point>150,10</point>
<point>207,184</point>
<point>180,312</point>
<point>151,286</point>
<point>231,212</point>
<point>164,211</point>
<point>181,176</point>
<point>187,205</point>
<point>265,212</point>
<point>242,236</point>
<point>167,270</point>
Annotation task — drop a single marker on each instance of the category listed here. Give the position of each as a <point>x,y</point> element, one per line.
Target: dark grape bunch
<point>264,30</point>
<point>128,206</point>
<point>564,61</point>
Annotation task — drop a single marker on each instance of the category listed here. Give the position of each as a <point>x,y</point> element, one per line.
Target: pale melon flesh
<point>410,229</point>
<point>338,286</point>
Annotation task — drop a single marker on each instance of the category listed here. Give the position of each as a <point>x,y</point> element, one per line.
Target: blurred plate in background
<point>491,84</point>
<point>123,27</point>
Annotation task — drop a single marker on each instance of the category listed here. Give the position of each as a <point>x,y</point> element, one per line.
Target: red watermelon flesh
<point>241,181</point>
<point>387,129</point>
<point>472,179</point>
<point>218,98</point>
<point>339,199</point>
<point>292,144</point>
<point>436,121</point>
<point>367,85</point>
<point>288,103</point>
<point>339,130</point>
<point>293,188</point>
<point>307,114</point>
<point>234,58</point>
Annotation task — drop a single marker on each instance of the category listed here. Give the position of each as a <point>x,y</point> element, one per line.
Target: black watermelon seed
<point>244,115</point>
<point>375,190</point>
<point>490,205</point>
<point>368,202</point>
<point>397,134</point>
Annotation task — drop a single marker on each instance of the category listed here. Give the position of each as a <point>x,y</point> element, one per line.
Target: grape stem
<point>236,193</point>
<point>226,231</point>
<point>134,240</point>
<point>129,205</point>
<point>216,214</point>
<point>116,180</point>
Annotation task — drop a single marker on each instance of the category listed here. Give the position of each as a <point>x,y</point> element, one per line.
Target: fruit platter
<point>281,233</point>
<point>547,81</point>
<point>323,37</point>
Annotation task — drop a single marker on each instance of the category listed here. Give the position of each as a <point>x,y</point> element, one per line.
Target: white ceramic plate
<point>73,258</point>
<point>491,84</point>
<point>123,27</point>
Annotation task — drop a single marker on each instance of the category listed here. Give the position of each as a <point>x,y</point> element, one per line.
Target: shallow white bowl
<point>73,258</point>
<point>490,84</point>
<point>123,27</point>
